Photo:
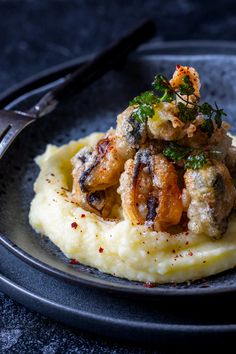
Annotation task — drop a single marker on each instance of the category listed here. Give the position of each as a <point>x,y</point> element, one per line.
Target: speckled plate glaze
<point>95,110</point>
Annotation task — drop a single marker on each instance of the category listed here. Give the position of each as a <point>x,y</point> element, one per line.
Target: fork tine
<point>4,127</point>
<point>6,140</point>
<point>11,124</point>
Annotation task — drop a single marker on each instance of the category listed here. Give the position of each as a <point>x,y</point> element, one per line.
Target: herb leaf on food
<point>188,110</point>
<point>196,161</point>
<point>161,84</point>
<point>187,114</point>
<point>186,88</point>
<point>147,97</point>
<point>143,112</point>
<point>207,127</point>
<point>176,152</point>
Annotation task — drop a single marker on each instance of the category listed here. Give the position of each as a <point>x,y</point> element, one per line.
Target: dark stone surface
<point>36,34</point>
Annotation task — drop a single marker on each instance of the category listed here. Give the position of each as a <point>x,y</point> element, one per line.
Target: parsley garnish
<point>161,84</point>
<point>147,97</point>
<point>186,88</point>
<point>178,153</point>
<point>187,114</point>
<point>145,103</point>
<point>142,112</point>
<point>195,161</point>
<point>207,127</point>
<point>188,111</point>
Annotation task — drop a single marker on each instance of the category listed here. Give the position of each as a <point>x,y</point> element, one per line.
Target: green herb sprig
<point>188,110</point>
<point>195,162</point>
<point>177,153</point>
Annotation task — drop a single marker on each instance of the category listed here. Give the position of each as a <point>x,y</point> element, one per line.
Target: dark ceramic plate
<point>95,110</point>
<point>180,323</point>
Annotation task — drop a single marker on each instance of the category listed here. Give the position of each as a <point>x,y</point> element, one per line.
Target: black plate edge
<point>89,320</point>
<point>54,73</point>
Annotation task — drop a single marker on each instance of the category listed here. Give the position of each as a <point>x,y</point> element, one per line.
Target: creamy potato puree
<point>118,247</point>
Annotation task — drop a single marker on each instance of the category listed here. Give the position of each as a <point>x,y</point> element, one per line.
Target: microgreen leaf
<point>188,110</point>
<point>186,88</point>
<point>206,109</point>
<point>187,114</point>
<point>162,84</point>
<point>218,116</point>
<point>147,97</point>
<point>176,152</point>
<point>143,112</point>
<point>207,127</point>
<point>196,161</point>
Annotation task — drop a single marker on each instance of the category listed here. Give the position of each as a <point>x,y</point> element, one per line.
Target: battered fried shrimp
<point>103,165</point>
<point>212,195</point>
<point>165,124</point>
<point>219,142</point>
<point>180,73</point>
<point>99,202</point>
<point>149,191</point>
<point>97,170</point>
<point>129,130</point>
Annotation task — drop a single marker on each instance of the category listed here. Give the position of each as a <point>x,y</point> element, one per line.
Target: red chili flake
<point>74,261</point>
<point>100,250</point>
<point>148,284</point>
<point>74,225</point>
<point>177,66</point>
<point>83,215</point>
<point>190,253</point>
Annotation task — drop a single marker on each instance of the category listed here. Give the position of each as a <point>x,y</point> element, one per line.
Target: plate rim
<point>15,290</point>
<point>49,76</point>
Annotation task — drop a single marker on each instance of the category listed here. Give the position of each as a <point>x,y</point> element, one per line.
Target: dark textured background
<point>36,34</point>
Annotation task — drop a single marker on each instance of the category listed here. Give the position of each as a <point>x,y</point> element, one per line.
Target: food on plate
<point>152,200</point>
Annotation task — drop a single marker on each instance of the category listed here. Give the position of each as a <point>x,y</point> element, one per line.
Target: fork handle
<point>109,58</point>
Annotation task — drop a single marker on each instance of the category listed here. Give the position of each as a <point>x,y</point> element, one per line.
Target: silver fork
<point>13,122</point>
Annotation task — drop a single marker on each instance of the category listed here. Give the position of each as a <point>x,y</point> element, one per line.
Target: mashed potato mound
<point>116,246</point>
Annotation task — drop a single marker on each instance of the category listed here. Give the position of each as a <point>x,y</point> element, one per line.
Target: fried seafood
<point>152,137</point>
<point>149,191</point>
<point>96,201</point>
<point>211,198</point>
<point>192,74</point>
<point>97,170</point>
<point>153,199</point>
<point>130,131</point>
<point>165,124</point>
<point>100,168</point>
